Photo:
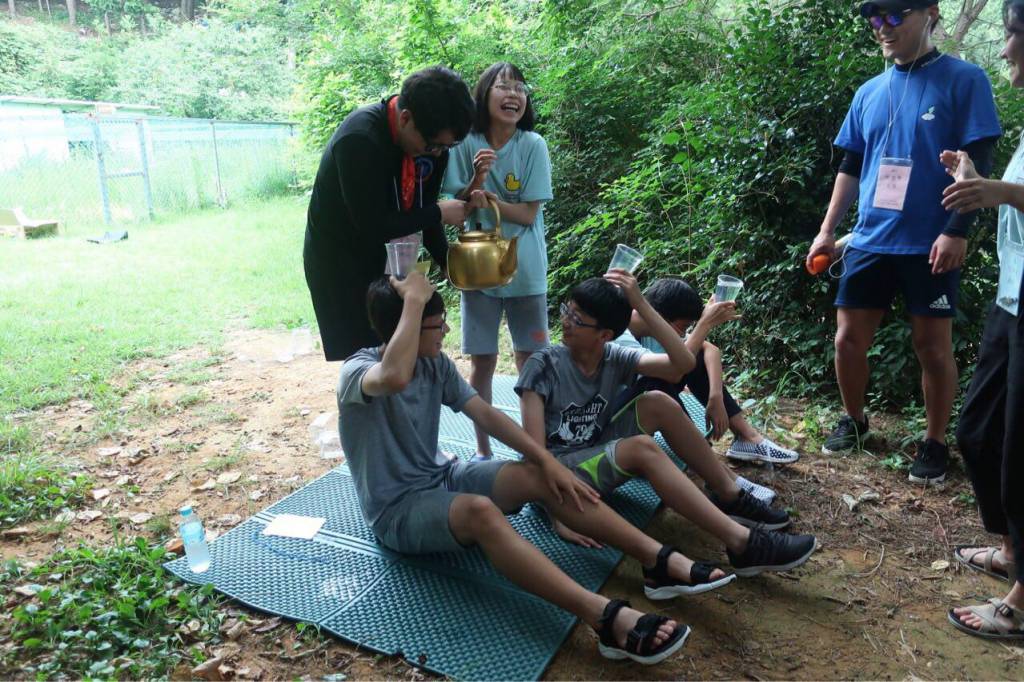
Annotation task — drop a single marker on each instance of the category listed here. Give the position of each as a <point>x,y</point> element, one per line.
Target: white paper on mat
<point>293,526</point>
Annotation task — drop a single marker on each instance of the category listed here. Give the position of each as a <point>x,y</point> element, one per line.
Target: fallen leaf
<point>257,494</point>
<point>110,473</point>
<point>88,515</point>
<point>174,545</point>
<point>228,477</point>
<point>209,670</point>
<point>140,518</point>
<point>228,520</point>
<point>109,452</point>
<point>66,516</point>
<point>123,480</point>
<point>209,485</point>
<point>940,565</point>
<point>19,532</point>
<point>99,493</point>
<point>269,625</point>
<point>28,590</point>
<point>235,631</point>
<point>171,475</point>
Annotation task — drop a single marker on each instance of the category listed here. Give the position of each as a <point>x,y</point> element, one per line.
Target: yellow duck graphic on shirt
<point>512,184</point>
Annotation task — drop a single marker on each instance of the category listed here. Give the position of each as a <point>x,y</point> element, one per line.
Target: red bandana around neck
<point>408,176</point>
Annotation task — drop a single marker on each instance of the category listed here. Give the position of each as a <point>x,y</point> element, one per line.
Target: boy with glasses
<point>566,394</point>
<point>905,241</point>
<point>378,181</point>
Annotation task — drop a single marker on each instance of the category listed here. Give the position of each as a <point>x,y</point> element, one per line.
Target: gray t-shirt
<point>576,406</point>
<point>390,442</point>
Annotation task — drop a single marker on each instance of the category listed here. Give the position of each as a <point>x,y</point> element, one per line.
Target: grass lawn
<point>72,312</point>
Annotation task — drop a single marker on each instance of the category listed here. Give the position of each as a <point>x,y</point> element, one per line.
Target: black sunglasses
<point>881,18</point>
<point>444,320</point>
<point>438,147</point>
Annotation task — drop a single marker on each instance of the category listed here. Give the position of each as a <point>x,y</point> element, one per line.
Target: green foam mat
<point>451,613</point>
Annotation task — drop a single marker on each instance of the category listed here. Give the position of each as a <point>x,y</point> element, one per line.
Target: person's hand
<point>482,162</point>
<point>824,243</point>
<point>627,282</point>
<point>453,212</point>
<point>974,193</point>
<point>569,535</point>
<point>959,165</point>
<point>563,484</point>
<point>717,417</point>
<point>477,199</point>
<point>947,254</point>
<point>716,313</point>
<point>415,288</point>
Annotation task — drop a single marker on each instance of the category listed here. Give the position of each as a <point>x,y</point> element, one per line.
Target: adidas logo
<point>941,303</point>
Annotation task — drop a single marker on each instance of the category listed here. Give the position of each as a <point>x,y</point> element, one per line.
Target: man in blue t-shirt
<point>905,241</point>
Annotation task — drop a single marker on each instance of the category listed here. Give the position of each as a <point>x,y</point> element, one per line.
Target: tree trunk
<point>188,9</point>
<point>14,12</point>
<point>106,22</point>
<point>72,12</point>
<point>970,10</point>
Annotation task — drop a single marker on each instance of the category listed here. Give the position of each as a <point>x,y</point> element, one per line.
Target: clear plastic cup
<point>626,258</point>
<point>728,288</point>
<point>402,258</point>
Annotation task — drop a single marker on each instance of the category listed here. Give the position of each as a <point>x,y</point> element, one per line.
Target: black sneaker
<point>848,435</point>
<point>931,462</point>
<point>749,511</point>
<point>772,551</point>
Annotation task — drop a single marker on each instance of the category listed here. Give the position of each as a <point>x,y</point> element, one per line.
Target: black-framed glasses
<point>573,317</point>
<point>433,147</point>
<point>426,327</point>
<point>517,87</point>
<point>895,19</point>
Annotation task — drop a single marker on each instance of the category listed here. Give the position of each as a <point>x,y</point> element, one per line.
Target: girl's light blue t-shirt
<point>1010,241</point>
<point>521,173</point>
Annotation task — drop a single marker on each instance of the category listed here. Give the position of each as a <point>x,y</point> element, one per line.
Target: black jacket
<point>353,213</point>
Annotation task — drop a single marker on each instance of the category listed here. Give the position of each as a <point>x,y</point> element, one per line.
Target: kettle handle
<point>497,217</point>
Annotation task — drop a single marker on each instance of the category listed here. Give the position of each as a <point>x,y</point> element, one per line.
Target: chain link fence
<point>81,168</point>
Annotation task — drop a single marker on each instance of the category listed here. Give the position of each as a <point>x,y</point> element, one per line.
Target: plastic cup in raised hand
<point>728,288</point>
<point>402,258</point>
<point>626,258</point>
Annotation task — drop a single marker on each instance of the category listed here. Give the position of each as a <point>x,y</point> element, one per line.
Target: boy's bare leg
<point>519,483</point>
<point>475,519</point>
<point>743,430</point>
<point>642,457</point>
<point>481,376</point>
<point>659,412</point>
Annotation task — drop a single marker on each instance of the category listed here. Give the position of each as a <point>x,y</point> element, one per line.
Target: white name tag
<point>893,179</point>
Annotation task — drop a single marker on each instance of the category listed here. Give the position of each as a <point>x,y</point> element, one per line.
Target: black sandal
<point>640,640</point>
<point>659,585</point>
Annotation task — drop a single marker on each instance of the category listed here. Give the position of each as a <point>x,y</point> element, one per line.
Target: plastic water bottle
<point>194,538</point>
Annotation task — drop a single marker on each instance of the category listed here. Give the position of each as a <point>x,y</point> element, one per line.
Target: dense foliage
<point>698,130</point>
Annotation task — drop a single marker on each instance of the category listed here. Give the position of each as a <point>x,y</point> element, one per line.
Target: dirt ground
<point>230,432</point>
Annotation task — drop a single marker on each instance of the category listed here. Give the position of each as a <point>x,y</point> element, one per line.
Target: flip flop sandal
<point>659,585</point>
<point>986,567</point>
<point>640,645</point>
<point>999,621</point>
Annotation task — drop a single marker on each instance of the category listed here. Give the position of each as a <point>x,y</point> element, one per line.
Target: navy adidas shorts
<point>872,280</point>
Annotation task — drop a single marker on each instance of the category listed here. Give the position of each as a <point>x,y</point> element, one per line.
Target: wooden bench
<point>13,223</point>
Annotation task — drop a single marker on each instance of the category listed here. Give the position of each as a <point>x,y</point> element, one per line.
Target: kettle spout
<point>509,256</point>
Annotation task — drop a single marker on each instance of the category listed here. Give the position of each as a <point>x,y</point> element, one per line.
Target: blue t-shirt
<point>946,104</point>
<point>521,173</point>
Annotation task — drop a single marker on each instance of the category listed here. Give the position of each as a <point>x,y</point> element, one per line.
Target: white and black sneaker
<point>749,511</point>
<point>761,492</point>
<point>772,551</point>
<point>766,451</point>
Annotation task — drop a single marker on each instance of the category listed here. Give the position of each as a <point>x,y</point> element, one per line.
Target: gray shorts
<point>596,465</point>
<point>418,523</point>
<point>481,317</point>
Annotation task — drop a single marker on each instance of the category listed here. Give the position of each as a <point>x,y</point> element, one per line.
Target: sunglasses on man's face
<point>427,327</point>
<point>882,18</point>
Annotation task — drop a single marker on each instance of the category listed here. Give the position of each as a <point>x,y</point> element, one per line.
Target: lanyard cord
<point>903,98</point>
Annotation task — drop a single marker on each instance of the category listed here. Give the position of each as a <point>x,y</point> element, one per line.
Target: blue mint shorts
<point>596,465</point>
<point>481,317</point>
<point>418,522</point>
<point>872,280</point>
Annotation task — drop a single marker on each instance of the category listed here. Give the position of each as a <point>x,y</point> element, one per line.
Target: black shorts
<point>872,280</point>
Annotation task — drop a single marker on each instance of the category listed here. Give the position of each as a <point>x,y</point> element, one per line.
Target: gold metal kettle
<point>482,260</point>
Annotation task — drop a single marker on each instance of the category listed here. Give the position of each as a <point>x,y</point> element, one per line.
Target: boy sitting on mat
<point>417,500</point>
<point>566,394</point>
<point>679,304</point>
